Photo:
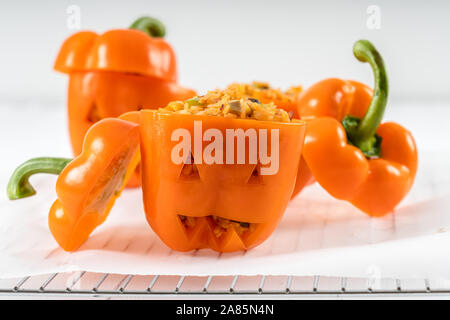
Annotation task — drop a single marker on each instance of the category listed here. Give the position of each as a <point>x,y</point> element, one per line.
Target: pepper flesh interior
<point>110,182</point>
<point>221,225</point>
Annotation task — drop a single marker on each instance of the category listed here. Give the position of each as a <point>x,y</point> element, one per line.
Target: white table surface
<point>317,236</point>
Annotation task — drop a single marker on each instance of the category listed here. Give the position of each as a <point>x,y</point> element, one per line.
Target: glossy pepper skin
<point>135,51</point>
<point>116,72</point>
<point>226,190</point>
<point>335,98</point>
<point>304,175</point>
<point>89,185</point>
<point>350,154</point>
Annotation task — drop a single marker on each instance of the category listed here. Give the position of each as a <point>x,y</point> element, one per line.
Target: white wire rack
<point>89,284</point>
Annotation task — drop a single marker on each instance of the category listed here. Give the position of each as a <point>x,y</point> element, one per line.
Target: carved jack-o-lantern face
<point>224,206</point>
<point>95,95</point>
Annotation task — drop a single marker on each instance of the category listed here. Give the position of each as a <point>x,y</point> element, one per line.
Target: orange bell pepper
<point>330,98</point>
<point>87,186</point>
<point>348,151</point>
<point>119,71</point>
<point>213,191</point>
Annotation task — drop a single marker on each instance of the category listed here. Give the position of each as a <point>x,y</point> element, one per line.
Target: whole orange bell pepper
<point>88,185</point>
<point>119,71</point>
<point>205,194</point>
<point>348,151</point>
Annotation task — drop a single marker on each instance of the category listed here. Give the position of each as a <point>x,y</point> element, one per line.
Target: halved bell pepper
<point>118,71</point>
<point>88,185</point>
<point>350,154</point>
<point>185,202</point>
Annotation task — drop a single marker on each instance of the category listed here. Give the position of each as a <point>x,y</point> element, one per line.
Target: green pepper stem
<point>363,135</point>
<point>151,26</point>
<point>19,185</point>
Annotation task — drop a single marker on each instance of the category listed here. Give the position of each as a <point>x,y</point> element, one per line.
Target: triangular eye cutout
<point>189,170</point>
<point>189,159</point>
<point>255,178</point>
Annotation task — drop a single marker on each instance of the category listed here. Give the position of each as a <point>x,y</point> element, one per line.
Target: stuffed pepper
<point>218,172</point>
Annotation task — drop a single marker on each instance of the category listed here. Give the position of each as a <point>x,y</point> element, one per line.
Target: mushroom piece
<point>235,107</point>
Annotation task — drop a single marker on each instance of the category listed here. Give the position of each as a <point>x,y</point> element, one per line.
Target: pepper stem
<point>19,185</point>
<point>151,26</point>
<point>363,135</point>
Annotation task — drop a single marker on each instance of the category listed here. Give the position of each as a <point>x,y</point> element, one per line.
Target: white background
<point>218,42</point>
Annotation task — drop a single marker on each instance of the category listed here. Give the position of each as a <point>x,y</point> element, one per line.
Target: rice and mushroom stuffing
<point>236,101</point>
<point>221,225</point>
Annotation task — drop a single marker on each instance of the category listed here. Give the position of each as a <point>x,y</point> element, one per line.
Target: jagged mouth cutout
<point>219,229</point>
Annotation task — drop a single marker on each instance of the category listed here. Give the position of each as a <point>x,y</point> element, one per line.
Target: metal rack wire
<point>88,284</point>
